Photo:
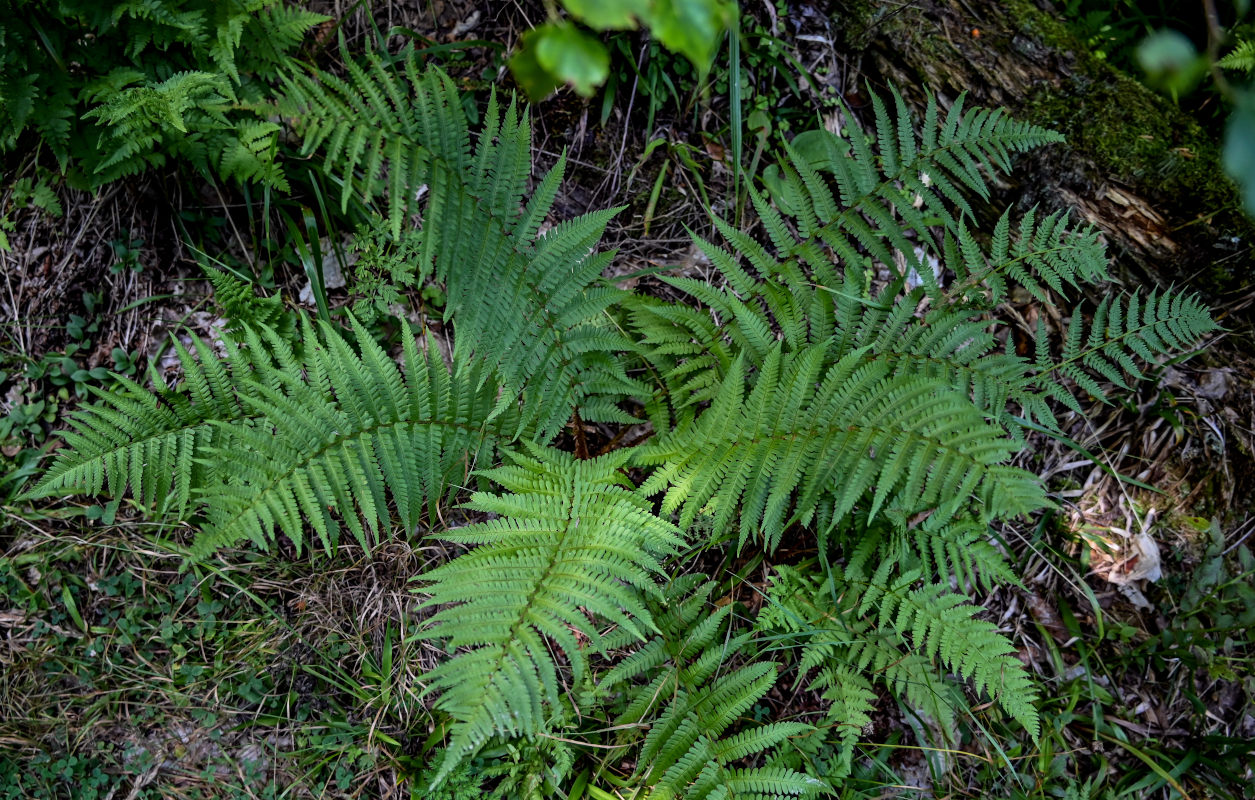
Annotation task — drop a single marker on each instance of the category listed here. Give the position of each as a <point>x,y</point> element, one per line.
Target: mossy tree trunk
<point>1135,165</point>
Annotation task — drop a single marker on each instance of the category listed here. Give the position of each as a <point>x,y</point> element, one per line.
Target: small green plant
<point>27,192</point>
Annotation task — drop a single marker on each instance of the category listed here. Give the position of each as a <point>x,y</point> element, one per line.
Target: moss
<point>1131,132</point>
<point>1131,137</point>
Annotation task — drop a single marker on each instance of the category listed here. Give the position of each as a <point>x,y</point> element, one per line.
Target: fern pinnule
<point>573,547</point>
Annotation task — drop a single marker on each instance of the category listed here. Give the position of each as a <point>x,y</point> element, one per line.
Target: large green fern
<point>833,388</point>
<point>273,438</point>
<point>810,435</point>
<point>523,302</point>
<point>573,548</point>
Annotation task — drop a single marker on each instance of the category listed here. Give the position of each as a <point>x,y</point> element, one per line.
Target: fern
<point>382,133</point>
<point>266,440</point>
<point>678,684</point>
<point>523,303</point>
<point>892,184</point>
<point>806,436</point>
<point>187,79</point>
<point>347,434</point>
<point>830,620</point>
<point>1123,331</point>
<point>136,118</point>
<point>804,392</point>
<point>1241,57</point>
<point>572,545</point>
<point>154,443</point>
<point>1049,253</point>
<point>242,308</point>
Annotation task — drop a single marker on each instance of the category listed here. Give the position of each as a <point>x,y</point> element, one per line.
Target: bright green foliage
<point>381,131</point>
<point>153,442</point>
<point>157,77</point>
<point>830,391</point>
<point>572,544</point>
<point>347,431</point>
<point>1241,57</point>
<point>892,186</point>
<point>1047,253</point>
<point>807,436</point>
<point>679,683</point>
<point>268,439</point>
<point>242,308</point>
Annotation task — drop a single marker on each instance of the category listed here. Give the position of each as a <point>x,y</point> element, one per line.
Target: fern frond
<point>244,309</point>
<point>1049,252</point>
<point>409,128</point>
<point>1124,331</point>
<point>154,443</point>
<point>1241,57</point>
<point>851,700</point>
<point>136,119</point>
<point>943,625</point>
<point>572,545</point>
<point>343,437</point>
<point>249,155</point>
<point>806,435</point>
<point>683,755</point>
<point>892,183</point>
<point>522,303</point>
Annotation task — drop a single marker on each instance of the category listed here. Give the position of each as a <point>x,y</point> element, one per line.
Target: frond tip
<point>573,548</point>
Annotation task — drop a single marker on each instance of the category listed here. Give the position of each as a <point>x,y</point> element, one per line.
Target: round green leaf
<point>692,28</point>
<point>537,82</point>
<point>1170,61</point>
<point>573,57</point>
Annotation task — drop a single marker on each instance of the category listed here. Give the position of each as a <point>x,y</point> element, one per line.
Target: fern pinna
<point>842,394</point>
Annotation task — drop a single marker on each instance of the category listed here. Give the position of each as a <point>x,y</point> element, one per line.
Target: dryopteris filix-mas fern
<point>279,438</point>
<point>522,302</point>
<point>574,547</point>
<point>833,391</point>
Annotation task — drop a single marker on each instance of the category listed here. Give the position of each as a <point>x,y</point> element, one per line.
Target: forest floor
<point>126,674</point>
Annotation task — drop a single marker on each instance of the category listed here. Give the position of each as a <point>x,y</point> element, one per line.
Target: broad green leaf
<point>573,57</point>
<point>692,28</point>
<point>1170,61</point>
<point>1239,150</point>
<point>605,15</point>
<point>534,79</point>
